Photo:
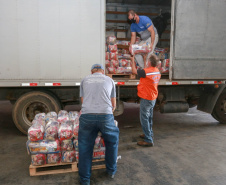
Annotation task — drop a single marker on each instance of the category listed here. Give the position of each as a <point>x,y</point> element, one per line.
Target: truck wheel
<point>30,104</point>
<point>219,112</point>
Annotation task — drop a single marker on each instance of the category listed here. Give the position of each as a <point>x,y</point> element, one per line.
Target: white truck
<point>48,46</point>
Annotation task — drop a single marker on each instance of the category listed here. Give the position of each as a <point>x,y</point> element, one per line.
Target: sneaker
<point>144,143</point>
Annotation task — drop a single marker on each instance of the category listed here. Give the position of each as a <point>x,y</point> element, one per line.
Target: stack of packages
<point>163,55</point>
<point>117,61</point>
<point>53,139</point>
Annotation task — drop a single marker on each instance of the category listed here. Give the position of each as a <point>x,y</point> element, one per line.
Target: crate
<point>129,76</point>
<point>58,168</point>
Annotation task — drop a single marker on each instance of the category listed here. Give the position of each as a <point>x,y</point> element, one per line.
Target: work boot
<point>142,136</point>
<point>144,143</point>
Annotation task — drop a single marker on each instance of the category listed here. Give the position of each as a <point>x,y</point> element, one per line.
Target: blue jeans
<point>89,126</point>
<point>146,115</point>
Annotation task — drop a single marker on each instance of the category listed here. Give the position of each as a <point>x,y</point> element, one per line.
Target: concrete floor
<point>189,149</point>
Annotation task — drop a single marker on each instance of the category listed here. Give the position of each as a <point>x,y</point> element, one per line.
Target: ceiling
<point>142,2</point>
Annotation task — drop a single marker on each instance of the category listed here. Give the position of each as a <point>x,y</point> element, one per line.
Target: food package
<point>66,145</point>
<point>51,116</point>
<point>99,153</point>
<point>111,40</point>
<point>99,143</point>
<point>75,128</point>
<point>125,63</point>
<point>107,56</point>
<point>120,70</point>
<point>63,116</point>
<point>124,56</point>
<point>125,51</point>
<point>166,62</point>
<point>44,147</point>
<point>40,118</point>
<point>77,156</point>
<point>38,159</point>
<point>51,130</point>
<point>126,43</point>
<point>36,131</point>
<point>128,70</point>
<point>111,70</point>
<point>53,158</point>
<point>75,143</point>
<point>73,115</point>
<point>138,49</point>
<point>65,130</point>
<point>115,63</point>
<point>112,48</point>
<point>113,56</point>
<point>68,156</point>
<point>107,63</point>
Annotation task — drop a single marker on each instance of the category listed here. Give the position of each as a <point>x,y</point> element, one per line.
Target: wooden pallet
<point>58,168</point>
<point>130,76</point>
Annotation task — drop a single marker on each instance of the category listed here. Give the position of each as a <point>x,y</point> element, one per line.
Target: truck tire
<point>119,108</point>
<point>32,103</point>
<point>219,112</point>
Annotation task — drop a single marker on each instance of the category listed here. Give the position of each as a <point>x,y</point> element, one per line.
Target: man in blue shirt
<point>148,33</point>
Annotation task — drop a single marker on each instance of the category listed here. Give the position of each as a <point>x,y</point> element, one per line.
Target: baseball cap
<point>97,66</point>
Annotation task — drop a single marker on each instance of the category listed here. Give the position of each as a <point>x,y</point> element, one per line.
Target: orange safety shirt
<point>148,86</point>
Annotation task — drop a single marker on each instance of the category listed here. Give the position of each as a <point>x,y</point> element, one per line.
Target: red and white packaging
<point>125,51</point>
<point>73,115</point>
<point>38,159</point>
<point>113,48</point>
<point>51,116</point>
<point>107,63</point>
<point>107,56</point>
<point>120,70</point>
<point>126,43</point>
<point>123,63</point>
<point>115,63</point>
<point>51,130</point>
<point>137,49</point>
<point>166,62</point>
<point>68,156</point>
<point>63,116</point>
<point>128,70</point>
<point>65,130</point>
<point>113,56</point>
<point>75,128</point>
<point>53,158</point>
<point>40,118</point>
<point>66,145</point>
<point>36,131</point>
<point>111,40</point>
<point>111,70</point>
<point>99,153</point>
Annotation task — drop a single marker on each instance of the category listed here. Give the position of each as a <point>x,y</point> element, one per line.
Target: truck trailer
<point>48,46</point>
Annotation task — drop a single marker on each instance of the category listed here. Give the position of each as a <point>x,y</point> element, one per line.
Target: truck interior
<point>118,25</point>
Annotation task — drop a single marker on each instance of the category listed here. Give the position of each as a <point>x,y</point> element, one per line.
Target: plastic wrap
<point>113,56</point>
<point>65,130</point>
<point>128,70</point>
<point>107,56</point>
<point>66,145</point>
<point>75,143</point>
<point>124,63</point>
<point>107,63</point>
<point>125,51</point>
<point>73,115</point>
<point>111,40</point>
<point>44,147</point>
<point>124,56</point>
<point>112,48</point>
<point>51,116</point>
<point>40,118</point>
<point>99,153</point>
<point>38,159</point>
<point>63,116</point>
<point>75,128</point>
<point>51,130</point>
<point>126,43</point>
<point>120,70</point>
<point>36,131</point>
<point>138,49</point>
<point>115,63</point>
<point>99,143</point>
<point>68,156</point>
<point>53,158</point>
<point>111,70</point>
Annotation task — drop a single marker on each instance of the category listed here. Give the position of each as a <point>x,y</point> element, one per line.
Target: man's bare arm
<point>134,69</point>
<point>113,102</point>
<point>82,100</point>
<point>133,38</point>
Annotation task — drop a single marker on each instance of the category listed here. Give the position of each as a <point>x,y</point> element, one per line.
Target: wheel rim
<point>33,108</point>
<point>221,108</point>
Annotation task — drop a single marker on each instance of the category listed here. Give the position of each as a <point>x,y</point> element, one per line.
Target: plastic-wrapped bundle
<point>111,70</point>
<point>99,143</point>
<point>51,130</point>
<point>111,40</point>
<point>75,128</point>
<point>51,116</point>
<point>66,145</point>
<point>113,48</point>
<point>128,70</point>
<point>124,56</point>
<point>36,131</point>
<point>63,116</point>
<point>75,143</point>
<point>113,56</point>
<point>99,153</point>
<point>115,63</point>
<point>40,118</point>
<point>53,158</point>
<point>125,51</point>
<point>107,56</point>
<point>166,62</point>
<point>126,43</point>
<point>120,70</point>
<point>73,115</point>
<point>107,63</point>
<point>44,147</point>
<point>38,159</point>
<point>65,130</point>
<point>137,49</point>
<point>68,156</point>
<point>123,63</point>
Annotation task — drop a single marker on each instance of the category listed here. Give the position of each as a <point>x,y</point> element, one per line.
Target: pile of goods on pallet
<point>53,139</point>
<point>118,61</point>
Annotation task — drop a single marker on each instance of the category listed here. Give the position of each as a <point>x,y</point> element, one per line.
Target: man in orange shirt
<point>148,92</point>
